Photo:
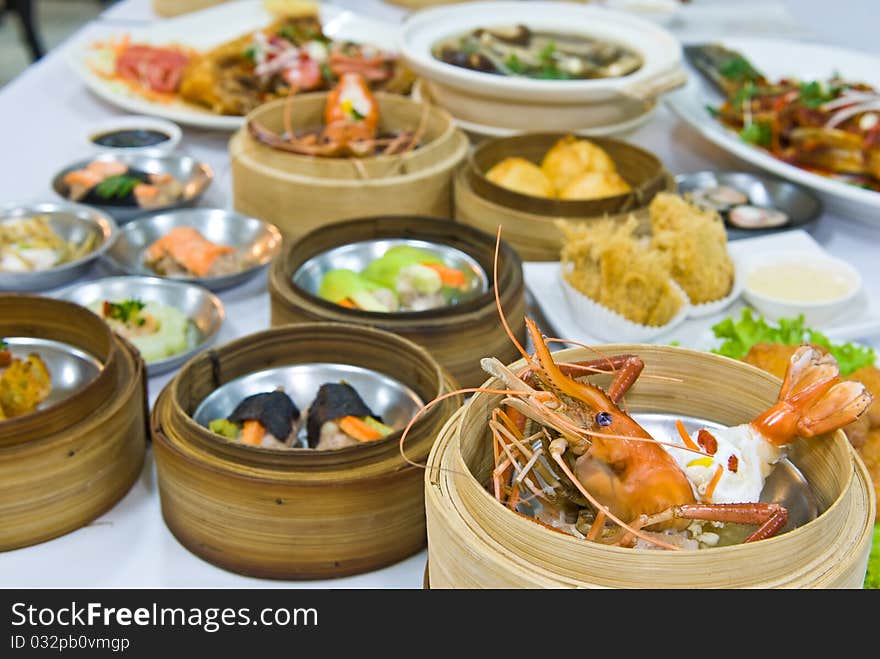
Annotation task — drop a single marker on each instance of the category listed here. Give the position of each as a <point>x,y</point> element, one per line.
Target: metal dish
<point>356,256</point>
<point>257,242</point>
<point>785,485</point>
<point>195,175</point>
<point>392,400</point>
<point>73,222</point>
<point>802,206</point>
<point>71,369</point>
<point>202,307</point>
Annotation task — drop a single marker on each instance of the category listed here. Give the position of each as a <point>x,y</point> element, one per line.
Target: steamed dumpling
<point>521,175</point>
<point>570,157</point>
<point>595,185</point>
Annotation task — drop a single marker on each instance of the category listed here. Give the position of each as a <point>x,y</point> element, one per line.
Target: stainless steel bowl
<point>392,400</point>
<point>202,307</point>
<point>70,368</point>
<point>196,177</point>
<point>802,206</point>
<point>72,222</point>
<point>256,241</point>
<point>356,256</point>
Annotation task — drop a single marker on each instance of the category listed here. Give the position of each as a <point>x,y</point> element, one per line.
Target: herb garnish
<point>116,186</point>
<point>758,132</point>
<point>739,69</point>
<point>125,311</point>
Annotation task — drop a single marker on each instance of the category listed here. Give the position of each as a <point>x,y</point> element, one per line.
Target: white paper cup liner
<point>600,321</point>
<point>717,306</point>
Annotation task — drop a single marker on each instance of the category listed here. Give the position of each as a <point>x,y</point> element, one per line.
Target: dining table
<point>47,112</point>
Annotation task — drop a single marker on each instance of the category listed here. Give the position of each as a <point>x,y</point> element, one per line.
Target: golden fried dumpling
<point>293,8</point>
<point>521,175</point>
<point>570,157</point>
<point>595,185</point>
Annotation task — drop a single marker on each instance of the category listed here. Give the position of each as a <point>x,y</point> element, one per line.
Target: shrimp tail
<point>812,400</point>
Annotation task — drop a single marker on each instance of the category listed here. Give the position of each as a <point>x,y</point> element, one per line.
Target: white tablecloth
<point>46,112</point>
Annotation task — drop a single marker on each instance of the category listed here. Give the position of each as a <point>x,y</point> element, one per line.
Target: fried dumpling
<point>521,175</point>
<point>570,157</point>
<point>595,185</point>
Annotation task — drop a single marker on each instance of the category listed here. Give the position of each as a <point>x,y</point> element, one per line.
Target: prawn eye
<point>603,419</point>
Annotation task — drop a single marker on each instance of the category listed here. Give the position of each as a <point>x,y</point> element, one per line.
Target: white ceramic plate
<point>206,29</point>
<point>776,59</point>
<point>616,129</point>
<point>542,280</point>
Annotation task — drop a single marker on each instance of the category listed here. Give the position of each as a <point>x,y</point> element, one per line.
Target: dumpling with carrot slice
<point>339,417</point>
<point>269,419</point>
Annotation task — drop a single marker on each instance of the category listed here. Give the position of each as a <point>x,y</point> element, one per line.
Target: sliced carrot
<point>685,437</point>
<point>355,427</point>
<point>347,302</point>
<point>449,276</point>
<point>710,490</point>
<point>252,432</point>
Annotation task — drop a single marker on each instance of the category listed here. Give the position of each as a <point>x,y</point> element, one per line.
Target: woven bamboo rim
<point>456,336</point>
<point>299,193</point>
<point>66,322</point>
<point>534,236</point>
<point>475,542</point>
<point>299,513</point>
<point>640,168</point>
<point>58,482</point>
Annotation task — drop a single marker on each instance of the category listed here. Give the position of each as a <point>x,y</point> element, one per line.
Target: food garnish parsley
<point>116,186</point>
<point>124,311</point>
<point>758,132</point>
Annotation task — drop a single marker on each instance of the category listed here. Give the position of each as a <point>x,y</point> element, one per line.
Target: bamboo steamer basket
<point>528,221</point>
<point>63,466</point>
<point>456,336</point>
<point>300,193</point>
<point>474,542</point>
<point>299,513</point>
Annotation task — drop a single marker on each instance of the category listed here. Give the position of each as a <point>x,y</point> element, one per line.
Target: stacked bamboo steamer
<point>527,221</point>
<point>299,193</point>
<point>297,513</point>
<point>475,542</point>
<point>65,465</point>
<point>457,336</point>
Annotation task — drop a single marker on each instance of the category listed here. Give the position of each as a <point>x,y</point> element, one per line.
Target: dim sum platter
<point>206,29</point>
<point>543,280</point>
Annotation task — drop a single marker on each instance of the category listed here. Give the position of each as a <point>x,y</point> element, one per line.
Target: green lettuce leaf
<point>738,337</point>
<point>872,579</point>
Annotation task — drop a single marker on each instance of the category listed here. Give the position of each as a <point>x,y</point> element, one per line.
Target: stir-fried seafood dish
<point>156,330</point>
<point>574,168</point>
<point>568,454</point>
<point>520,51</point>
<point>113,183</point>
<point>830,127</point>
<point>337,418</point>
<point>351,127</point>
<point>24,383</point>
<point>404,278</point>
<point>185,252</point>
<point>30,244</point>
<point>290,55</point>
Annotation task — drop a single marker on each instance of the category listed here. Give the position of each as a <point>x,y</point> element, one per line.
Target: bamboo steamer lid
<point>300,193</point>
<point>58,480</point>
<point>474,542</point>
<point>298,513</point>
<point>456,336</point>
<point>528,222</point>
